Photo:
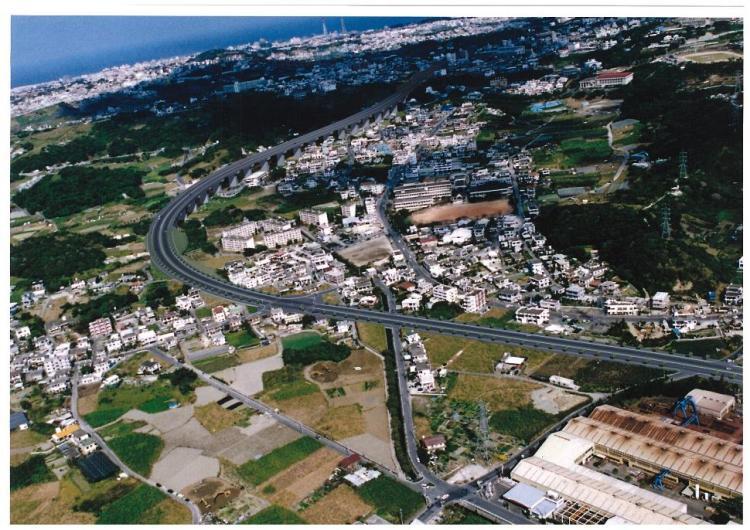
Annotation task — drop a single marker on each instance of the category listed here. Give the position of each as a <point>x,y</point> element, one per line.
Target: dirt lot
<point>451,212</point>
<point>712,56</point>
<point>182,467</point>
<point>366,252</point>
<point>248,377</point>
<point>340,506</point>
<point>300,480</point>
<point>554,400</point>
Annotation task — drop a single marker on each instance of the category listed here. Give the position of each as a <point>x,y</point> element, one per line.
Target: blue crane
<point>658,482</point>
<point>683,405</point>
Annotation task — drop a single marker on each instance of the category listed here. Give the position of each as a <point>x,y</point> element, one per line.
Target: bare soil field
<point>366,252</point>
<point>182,467</point>
<point>248,377</point>
<point>712,56</point>
<point>340,506</point>
<point>300,480</point>
<point>452,212</point>
<point>498,393</point>
<point>554,400</point>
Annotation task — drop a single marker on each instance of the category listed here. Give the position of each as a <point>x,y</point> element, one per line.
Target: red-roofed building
<point>350,463</point>
<point>607,79</point>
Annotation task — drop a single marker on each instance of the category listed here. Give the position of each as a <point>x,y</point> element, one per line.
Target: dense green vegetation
<point>57,258</point>
<point>275,514</point>
<point>197,237</point>
<point>107,495</point>
<point>158,295</point>
<point>36,324</point>
<point>630,241</point>
<point>75,189</point>
<point>523,423</point>
<point>232,215</point>
<point>243,338</point>
<point>443,311</point>
<point>97,307</point>
<point>393,402</point>
<point>258,471</point>
<point>30,471</point>
<point>325,351</point>
<point>129,508</point>
<point>183,379</point>
<point>391,499</point>
<point>75,151</point>
<point>298,201</point>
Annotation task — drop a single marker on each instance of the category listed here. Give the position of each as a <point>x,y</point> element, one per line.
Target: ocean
<point>45,48</point>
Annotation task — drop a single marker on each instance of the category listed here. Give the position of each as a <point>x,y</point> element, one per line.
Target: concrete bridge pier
<point>297,153</point>
<point>265,167</point>
<point>280,161</point>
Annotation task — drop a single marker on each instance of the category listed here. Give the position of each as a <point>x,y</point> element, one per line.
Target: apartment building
<point>606,80</point>
<point>282,238</point>
<point>417,195</point>
<point>313,217</point>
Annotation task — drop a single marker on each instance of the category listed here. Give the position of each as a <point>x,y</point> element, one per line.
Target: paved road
<point>194,511</point>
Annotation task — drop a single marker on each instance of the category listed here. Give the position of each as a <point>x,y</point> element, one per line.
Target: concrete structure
<point>532,315</point>
<point>620,307</point>
<point>417,195</point>
<point>712,403</point>
<point>282,237</point>
<point>313,217</point>
<point>660,300</point>
<point>100,327</point>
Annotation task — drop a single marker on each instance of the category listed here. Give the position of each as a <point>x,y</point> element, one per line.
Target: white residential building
<point>532,315</point>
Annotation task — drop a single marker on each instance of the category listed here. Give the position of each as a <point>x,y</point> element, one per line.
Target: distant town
<point>463,271</point>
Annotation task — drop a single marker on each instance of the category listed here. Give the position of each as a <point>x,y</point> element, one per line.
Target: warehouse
<point>712,403</point>
<point>651,444</point>
<point>556,468</point>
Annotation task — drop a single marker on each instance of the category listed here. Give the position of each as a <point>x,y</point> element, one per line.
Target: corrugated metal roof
<point>691,454</point>
<point>604,496</point>
<point>524,495</point>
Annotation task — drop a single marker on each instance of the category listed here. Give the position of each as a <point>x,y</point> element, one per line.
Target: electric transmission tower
<point>343,26</point>
<point>683,165</point>
<point>484,430</point>
<point>325,28</point>
<point>666,222</point>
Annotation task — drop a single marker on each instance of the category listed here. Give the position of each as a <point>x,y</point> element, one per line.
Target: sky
<point>44,48</point>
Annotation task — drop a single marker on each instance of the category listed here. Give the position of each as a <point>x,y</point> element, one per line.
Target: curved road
<point>166,257</point>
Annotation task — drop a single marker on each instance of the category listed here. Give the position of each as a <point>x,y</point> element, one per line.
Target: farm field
<point>274,515</point>
<point>258,471</point>
<point>342,505</point>
<point>391,499</point>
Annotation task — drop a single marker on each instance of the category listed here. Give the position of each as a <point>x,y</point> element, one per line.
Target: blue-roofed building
<point>18,420</point>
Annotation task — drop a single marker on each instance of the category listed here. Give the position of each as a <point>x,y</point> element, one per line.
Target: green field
<point>130,508</point>
<point>373,335</point>
<point>31,471</point>
<point>523,423</point>
<point>275,514</point>
<point>302,340</point>
<point>138,451</point>
<point>258,471</point>
<point>217,363</point>
<point>243,338</point>
<point>709,348</point>
<point>286,383</point>
<point>115,402</point>
<point>391,499</point>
